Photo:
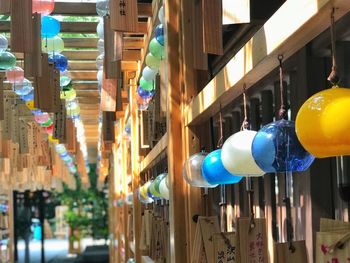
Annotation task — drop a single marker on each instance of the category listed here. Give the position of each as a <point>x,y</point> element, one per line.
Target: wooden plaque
<point>200,59</point>
<point>41,91</point>
<point>110,70</point>
<point>109,95</point>
<point>23,136</point>
<point>21,26</point>
<point>253,241</point>
<point>226,248</point>
<point>108,126</point>
<point>212,26</point>
<point>32,60</point>
<point>71,136</point>
<point>59,128</point>
<point>285,255</point>
<point>124,16</point>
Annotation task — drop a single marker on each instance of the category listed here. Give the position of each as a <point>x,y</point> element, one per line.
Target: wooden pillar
<point>135,167</point>
<point>175,135</point>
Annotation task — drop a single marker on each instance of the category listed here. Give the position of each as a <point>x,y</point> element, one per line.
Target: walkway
<point>54,248</point>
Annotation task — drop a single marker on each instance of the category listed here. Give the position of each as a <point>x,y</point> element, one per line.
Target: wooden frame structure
<point>189,108</point>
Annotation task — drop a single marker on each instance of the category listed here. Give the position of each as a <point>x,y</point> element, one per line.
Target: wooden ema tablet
<point>49,89</point>
<point>71,136</point>
<point>110,69</point>
<point>15,124</point>
<point>212,26</point>
<point>32,60</point>
<point>59,128</point>
<point>226,248</point>
<point>7,122</point>
<point>124,16</point>
<point>253,241</point>
<point>23,136</point>
<point>109,95</point>
<point>108,120</point>
<point>285,255</point>
<point>203,249</point>
<point>118,46</point>
<point>21,26</point>
<point>42,83</point>
<point>195,13</point>
<point>81,165</point>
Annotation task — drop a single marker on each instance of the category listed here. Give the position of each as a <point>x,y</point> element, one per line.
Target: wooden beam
<point>154,153</point>
<point>259,56</point>
<point>128,55</point>
<point>83,74</point>
<point>91,100</point>
<point>91,65</point>
<point>133,42</point>
<point>81,9</point>
<point>77,27</point>
<point>80,42</point>
<point>82,65</point>
<point>89,9</point>
<point>88,93</point>
<point>91,42</point>
<point>177,213</point>
<point>131,55</point>
<point>144,9</point>
<point>85,85</point>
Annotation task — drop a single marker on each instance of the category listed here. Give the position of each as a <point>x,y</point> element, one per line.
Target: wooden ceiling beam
<point>87,93</point>
<point>83,74</point>
<point>131,55</point>
<point>89,9</point>
<point>77,27</point>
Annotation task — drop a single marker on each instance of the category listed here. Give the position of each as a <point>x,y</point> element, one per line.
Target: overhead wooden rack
<point>259,56</point>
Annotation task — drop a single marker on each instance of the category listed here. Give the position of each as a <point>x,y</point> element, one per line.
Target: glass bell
<point>145,94</point>
<point>60,61</point>
<point>237,155</point>
<point>7,60</point>
<point>156,49</point>
<point>159,34</point>
<point>154,187</point>
<point>323,123</point>
<point>276,148</point>
<point>214,171</point>
<point>164,190</point>
<point>192,171</point>
<point>50,27</point>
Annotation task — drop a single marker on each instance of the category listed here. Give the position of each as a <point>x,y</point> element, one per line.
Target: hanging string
<point>333,77</point>
<point>282,110</point>
<point>251,203</point>
<point>245,123</point>
<point>221,139</point>
<point>290,236</point>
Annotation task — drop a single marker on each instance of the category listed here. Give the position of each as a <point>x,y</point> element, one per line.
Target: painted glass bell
<point>323,123</point>
<point>276,148</point>
<point>237,155</point>
<point>214,171</point>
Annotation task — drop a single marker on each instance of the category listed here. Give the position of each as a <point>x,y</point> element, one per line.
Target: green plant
<point>87,208</point>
